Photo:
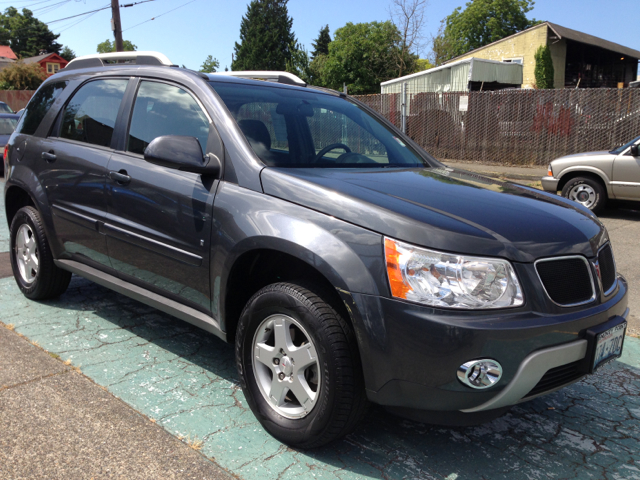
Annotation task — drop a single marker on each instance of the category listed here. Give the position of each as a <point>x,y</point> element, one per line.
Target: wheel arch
<point>582,171</point>
<point>276,261</point>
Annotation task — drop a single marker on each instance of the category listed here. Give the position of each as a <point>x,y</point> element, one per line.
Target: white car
<point>592,178</point>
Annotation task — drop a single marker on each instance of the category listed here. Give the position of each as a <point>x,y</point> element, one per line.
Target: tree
<point>364,54</point>
<point>422,64</point>
<point>442,48</point>
<point>210,65</point>
<point>22,76</point>
<point>26,35</point>
<point>321,44</point>
<point>543,71</point>
<point>266,38</point>
<point>108,46</point>
<point>483,22</point>
<point>68,54</point>
<point>300,64</point>
<point>408,17</point>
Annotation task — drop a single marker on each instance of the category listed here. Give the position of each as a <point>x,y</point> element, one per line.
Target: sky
<point>189,30</point>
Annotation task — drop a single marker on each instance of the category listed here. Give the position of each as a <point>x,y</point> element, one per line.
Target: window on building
<point>519,60</point>
<point>53,67</point>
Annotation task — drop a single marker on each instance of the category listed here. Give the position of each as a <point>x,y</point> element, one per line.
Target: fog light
<point>480,373</point>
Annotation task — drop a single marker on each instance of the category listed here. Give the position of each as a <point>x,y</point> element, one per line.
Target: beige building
<point>579,59</point>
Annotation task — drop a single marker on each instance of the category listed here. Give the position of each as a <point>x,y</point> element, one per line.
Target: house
<point>50,62</point>
<point>6,52</point>
<point>579,59</point>
<point>462,76</point>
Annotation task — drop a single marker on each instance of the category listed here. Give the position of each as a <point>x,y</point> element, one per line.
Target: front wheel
<point>586,191</point>
<point>299,366</point>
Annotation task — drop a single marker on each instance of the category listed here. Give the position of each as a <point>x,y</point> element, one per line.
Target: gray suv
<point>345,263</point>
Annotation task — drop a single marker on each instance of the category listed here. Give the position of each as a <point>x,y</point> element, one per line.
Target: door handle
<point>120,177</point>
<point>49,156</point>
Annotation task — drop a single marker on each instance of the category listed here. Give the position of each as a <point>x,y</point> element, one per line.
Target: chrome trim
<point>589,269</point>
<point>625,184</point>
<point>531,371</point>
<point>615,266</point>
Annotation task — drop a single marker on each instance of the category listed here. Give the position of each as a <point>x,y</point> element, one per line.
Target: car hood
<point>4,139</point>
<point>445,209</point>
<point>602,155</point>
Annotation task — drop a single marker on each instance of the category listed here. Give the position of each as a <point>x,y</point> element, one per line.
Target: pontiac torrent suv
<point>345,263</point>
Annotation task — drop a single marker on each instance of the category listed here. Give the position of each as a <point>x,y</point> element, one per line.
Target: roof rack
<point>103,59</point>
<point>270,76</point>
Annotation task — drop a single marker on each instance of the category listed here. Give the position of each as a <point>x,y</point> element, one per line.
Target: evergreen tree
<point>544,71</point>
<point>68,54</point>
<point>321,44</point>
<point>266,38</point>
<point>210,65</point>
<point>26,35</point>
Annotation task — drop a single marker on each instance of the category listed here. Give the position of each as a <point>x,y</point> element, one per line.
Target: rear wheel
<point>299,366</point>
<point>31,258</point>
<point>586,191</point>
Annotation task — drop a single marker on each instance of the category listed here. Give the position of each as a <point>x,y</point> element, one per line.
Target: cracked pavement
<point>185,380</point>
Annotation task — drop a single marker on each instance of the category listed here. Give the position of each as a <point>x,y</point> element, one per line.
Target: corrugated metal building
<point>462,76</point>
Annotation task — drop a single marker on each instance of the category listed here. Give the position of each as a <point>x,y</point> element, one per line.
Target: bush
<point>544,72</point>
<point>22,76</point>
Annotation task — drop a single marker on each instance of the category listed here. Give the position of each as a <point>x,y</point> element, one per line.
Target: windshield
<point>619,150</point>
<point>298,128</point>
<point>7,125</point>
<point>4,108</point>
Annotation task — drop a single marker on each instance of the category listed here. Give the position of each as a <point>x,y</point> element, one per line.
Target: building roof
<point>431,71</point>
<point>6,52</point>
<point>41,58</point>
<point>568,34</point>
<point>576,36</point>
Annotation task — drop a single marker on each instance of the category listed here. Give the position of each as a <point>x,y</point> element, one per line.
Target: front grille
<point>557,377</point>
<point>566,280</point>
<point>607,267</point>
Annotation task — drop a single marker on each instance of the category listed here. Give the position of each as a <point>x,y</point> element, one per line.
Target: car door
<point>626,176</point>
<point>159,219</point>
<point>73,168</point>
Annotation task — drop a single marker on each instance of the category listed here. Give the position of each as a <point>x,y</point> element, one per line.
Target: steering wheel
<point>328,148</point>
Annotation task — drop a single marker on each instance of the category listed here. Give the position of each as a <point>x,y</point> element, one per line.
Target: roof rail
<point>103,59</point>
<point>271,76</point>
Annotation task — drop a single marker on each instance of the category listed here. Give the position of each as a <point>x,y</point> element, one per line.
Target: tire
<point>31,258</point>
<point>586,191</point>
<point>339,401</point>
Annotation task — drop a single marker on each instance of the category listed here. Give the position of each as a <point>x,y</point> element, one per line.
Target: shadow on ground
<point>185,379</point>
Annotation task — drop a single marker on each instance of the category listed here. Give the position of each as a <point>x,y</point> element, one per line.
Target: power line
<point>158,16</point>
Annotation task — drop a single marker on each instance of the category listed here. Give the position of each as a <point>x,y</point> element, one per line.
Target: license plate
<point>609,345</point>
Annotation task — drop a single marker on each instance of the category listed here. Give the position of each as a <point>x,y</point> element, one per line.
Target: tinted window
<point>7,125</point>
<point>305,128</point>
<point>90,116</point>
<point>162,109</point>
<point>38,107</point>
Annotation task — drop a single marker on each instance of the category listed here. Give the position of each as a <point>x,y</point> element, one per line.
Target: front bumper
<point>549,184</point>
<point>410,359</point>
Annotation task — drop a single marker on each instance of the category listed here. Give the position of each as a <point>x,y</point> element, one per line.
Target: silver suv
<point>592,178</point>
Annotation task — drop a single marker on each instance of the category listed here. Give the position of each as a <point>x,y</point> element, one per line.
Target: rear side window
<point>90,116</point>
<point>38,107</point>
<point>162,109</point>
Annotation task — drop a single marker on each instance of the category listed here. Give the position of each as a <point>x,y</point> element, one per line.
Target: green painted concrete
<point>4,228</point>
<point>186,380</point>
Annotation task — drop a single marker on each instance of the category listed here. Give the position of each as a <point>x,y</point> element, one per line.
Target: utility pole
<point>115,25</point>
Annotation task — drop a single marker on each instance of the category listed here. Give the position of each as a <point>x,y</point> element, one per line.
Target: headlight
<point>447,280</point>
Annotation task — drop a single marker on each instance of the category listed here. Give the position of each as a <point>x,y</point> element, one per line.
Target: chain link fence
<point>516,127</point>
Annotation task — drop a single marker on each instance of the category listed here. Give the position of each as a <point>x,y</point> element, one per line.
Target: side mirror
<point>182,153</point>
<point>634,150</point>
